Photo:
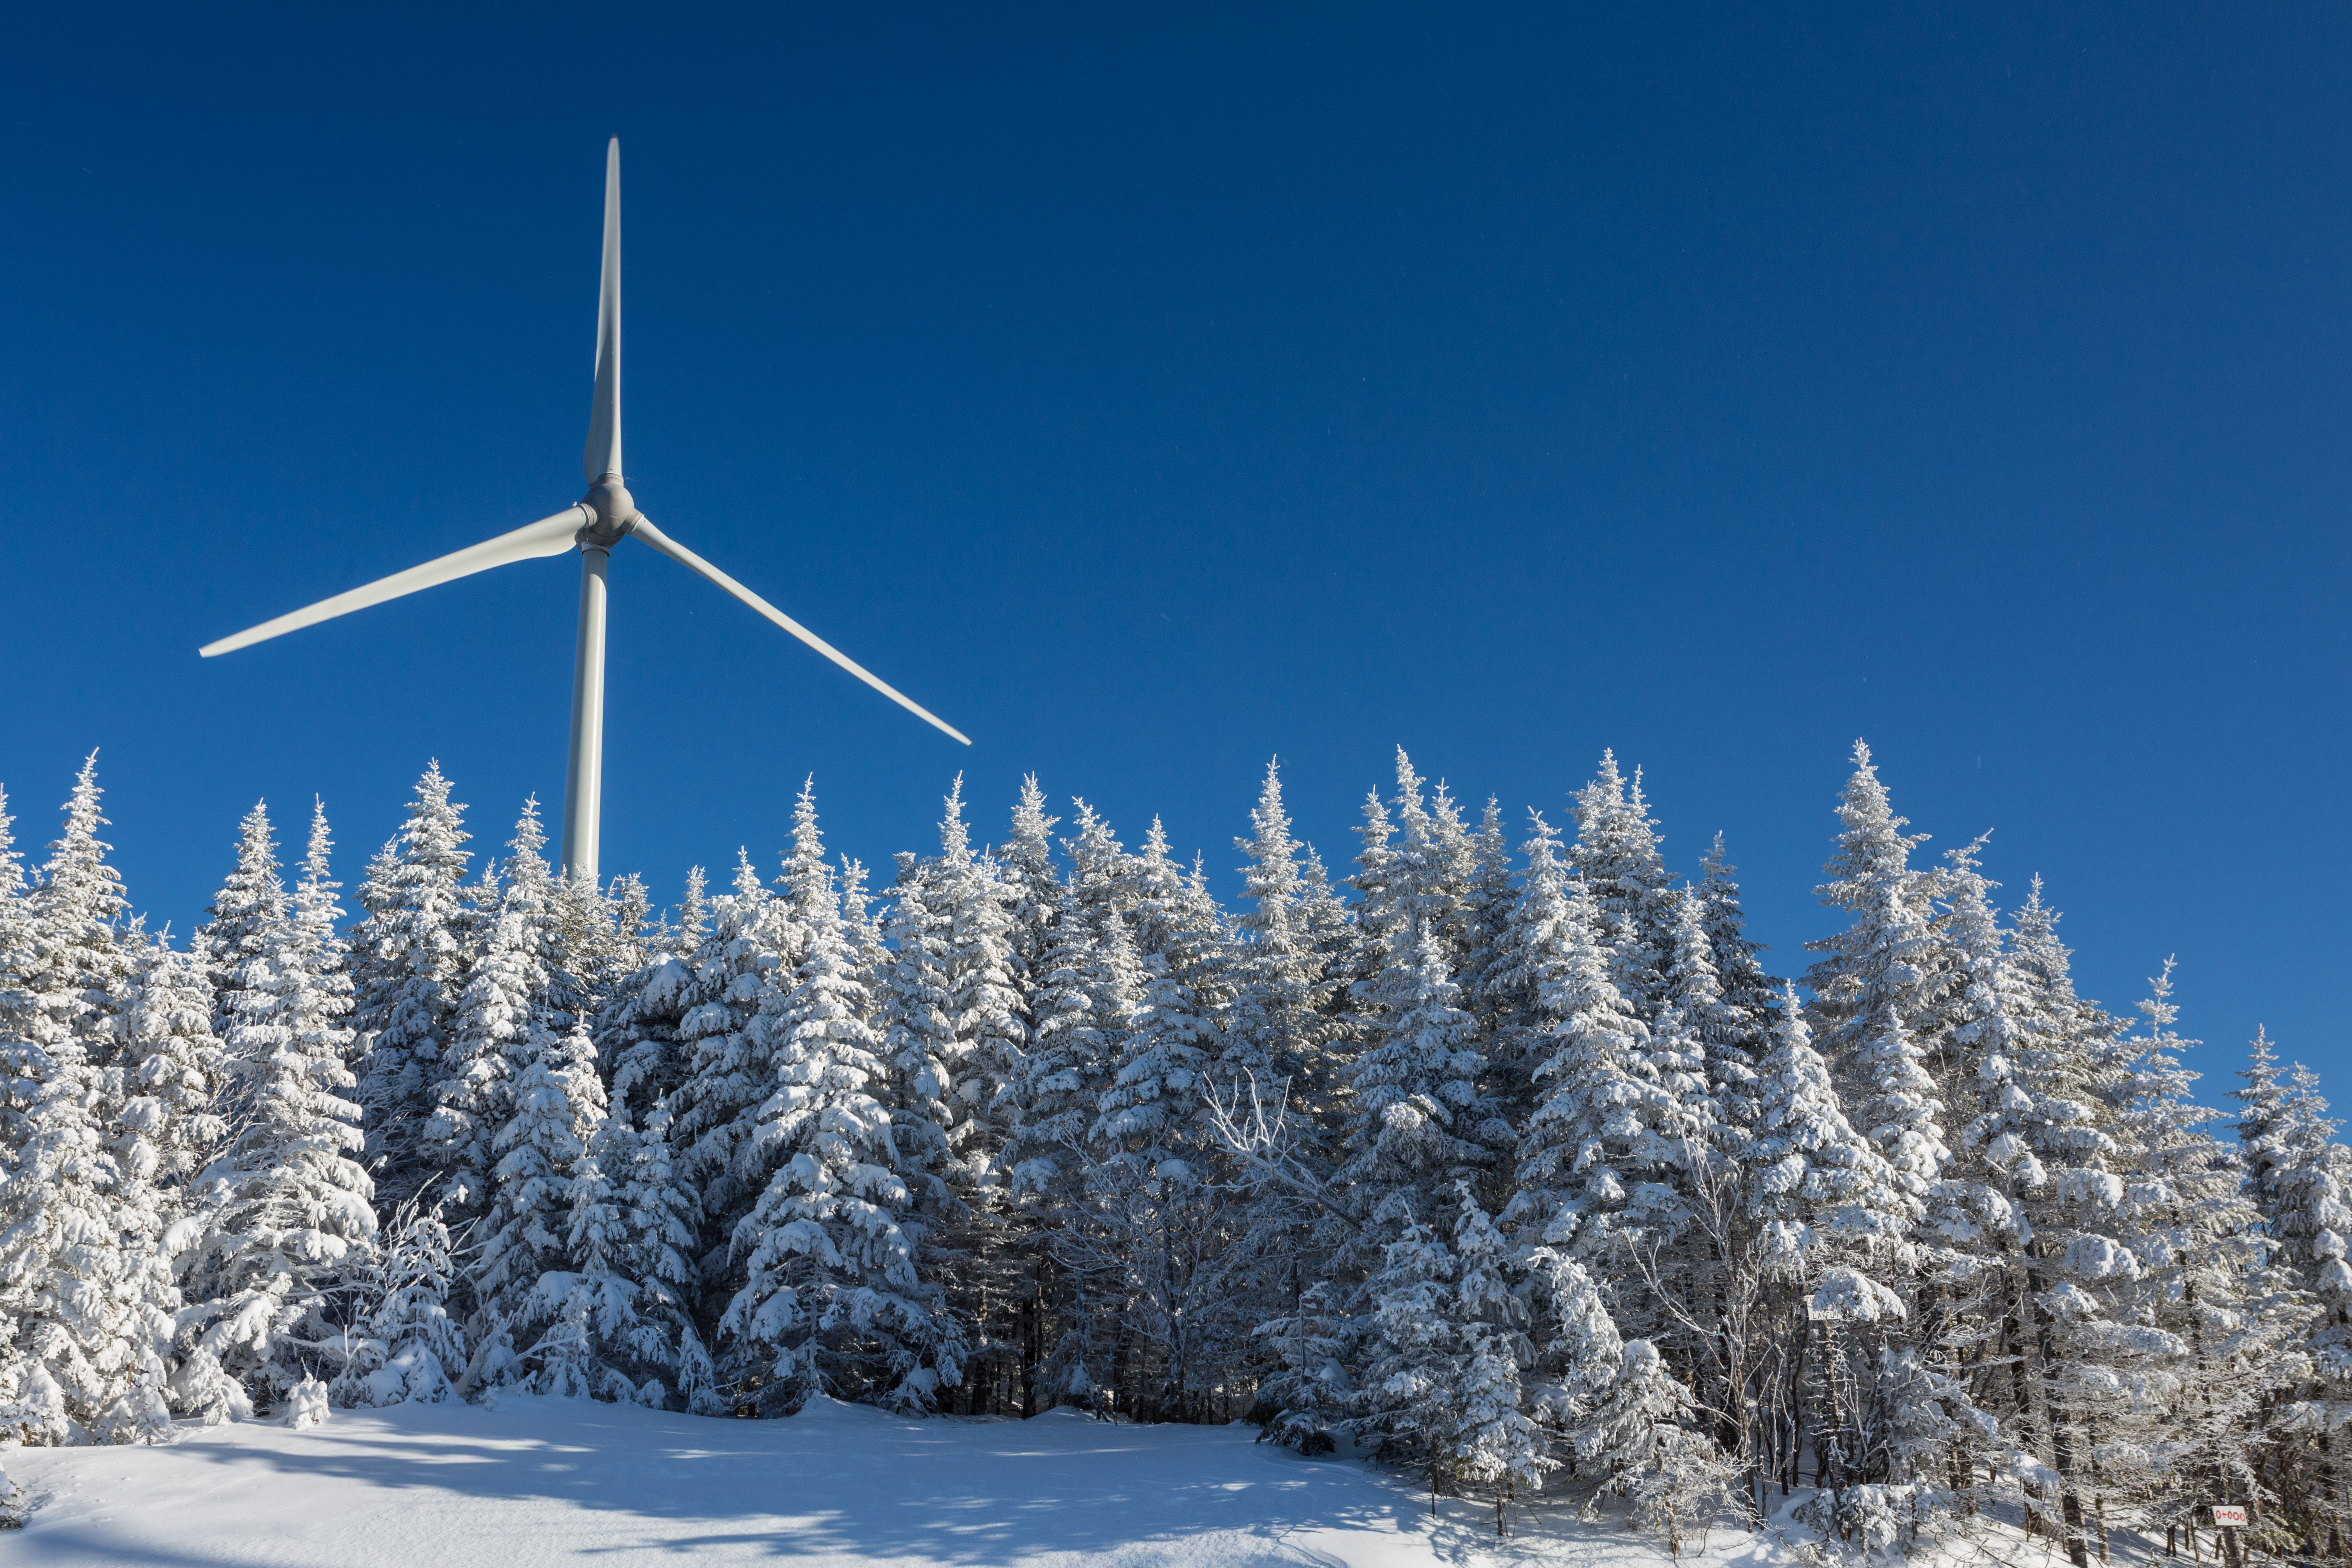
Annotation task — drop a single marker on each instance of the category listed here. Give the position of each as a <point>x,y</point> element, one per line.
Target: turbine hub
<point>612,513</point>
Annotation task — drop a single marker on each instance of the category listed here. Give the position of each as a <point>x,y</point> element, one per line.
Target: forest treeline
<point>1502,1153</point>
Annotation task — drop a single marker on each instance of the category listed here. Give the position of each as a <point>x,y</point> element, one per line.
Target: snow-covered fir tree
<point>555,1103</point>
<point>514,994</point>
<point>1617,858</point>
<point>831,1298</point>
<point>250,903</point>
<point>175,1071</point>
<point>284,1221</point>
<point>408,1346</point>
<point>621,1323</point>
<point>1871,984</point>
<point>408,964</point>
<point>85,1294</point>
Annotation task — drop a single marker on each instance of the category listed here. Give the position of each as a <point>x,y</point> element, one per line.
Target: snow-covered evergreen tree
<point>619,1325</point>
<point>515,1001</point>
<point>1282,1031</point>
<point>250,903</point>
<point>1871,985</point>
<point>86,1296</point>
<point>1034,880</point>
<point>1415,1087</point>
<point>284,1223</point>
<point>1616,856</point>
<point>556,1103</point>
<point>1597,1160</point>
<point>745,965</point>
<point>409,962</point>
<point>1451,1312</point>
<point>1643,1442</point>
<point>175,1071</point>
<point>409,1346</point>
<point>2301,1178</point>
<point>831,1296</point>
<point>2185,1380</point>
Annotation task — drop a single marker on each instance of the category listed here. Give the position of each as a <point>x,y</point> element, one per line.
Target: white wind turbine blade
<point>645,531</point>
<point>603,455</point>
<point>548,536</point>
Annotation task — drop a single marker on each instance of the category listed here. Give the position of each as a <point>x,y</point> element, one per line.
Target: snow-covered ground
<point>546,1480</point>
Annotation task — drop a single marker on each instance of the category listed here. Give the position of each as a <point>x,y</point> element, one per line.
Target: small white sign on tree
<point>2229,1514</point>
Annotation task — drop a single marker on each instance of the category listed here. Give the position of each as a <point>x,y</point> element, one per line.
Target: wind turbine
<point>600,519</point>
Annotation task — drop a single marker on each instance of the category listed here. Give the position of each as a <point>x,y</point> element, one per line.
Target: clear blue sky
<point>1149,396</point>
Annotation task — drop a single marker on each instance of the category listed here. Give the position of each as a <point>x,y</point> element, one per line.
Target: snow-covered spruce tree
<point>1452,1304</point>
<point>17,1003</point>
<point>954,1037</point>
<point>1616,856</point>
<point>636,1034</point>
<point>2014,1059</point>
<point>1055,1087</point>
<point>1485,916</point>
<point>969,895</point>
<point>1831,1219</point>
<point>2033,1203</point>
<point>408,964</point>
<point>1871,986</point>
<point>597,938</point>
<point>1284,1057</point>
<point>1151,1190</point>
<point>1066,1067</point>
<point>1600,1159</point>
<point>1409,1137</point>
<point>620,1324</point>
<point>1642,1442</point>
<point>555,1102</point>
<point>693,914</point>
<point>861,923</point>
<point>85,1294</point>
<point>831,1299</point>
<point>408,1346</point>
<point>1036,882</point>
<point>1692,1023</point>
<point>1530,953</point>
<point>513,995</point>
<point>284,1223</point>
<point>175,1071</point>
<point>1282,1031</point>
<point>1091,995</point>
<point>2196,1345</point>
<point>1879,991</point>
<point>1751,994</point>
<point>746,963</point>
<point>743,985</point>
<point>1172,914</point>
<point>250,903</point>
<point>81,953</point>
<point>918,1042</point>
<point>1429,878</point>
<point>1704,1039</point>
<point>1414,1089</point>
<point>2301,1178</point>
<point>1372,925</point>
<point>174,1083</point>
<point>637,1027</point>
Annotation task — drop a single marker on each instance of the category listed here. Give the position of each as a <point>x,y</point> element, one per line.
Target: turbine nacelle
<point>603,518</point>
<point>612,514</point>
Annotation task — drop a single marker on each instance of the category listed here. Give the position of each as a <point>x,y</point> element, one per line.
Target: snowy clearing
<point>550,1481</point>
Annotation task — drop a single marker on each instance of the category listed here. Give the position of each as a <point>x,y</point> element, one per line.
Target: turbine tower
<point>599,521</point>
